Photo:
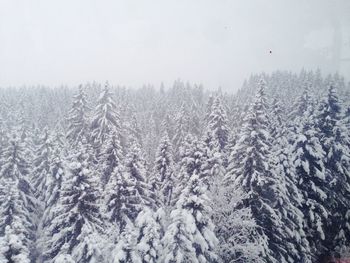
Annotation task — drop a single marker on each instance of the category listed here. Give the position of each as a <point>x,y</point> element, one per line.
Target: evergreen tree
<point>42,166</point>
<point>106,119</point>
<point>191,152</point>
<point>77,219</point>
<point>163,181</point>
<point>17,206</point>
<point>301,105</point>
<point>119,198</point>
<point>291,204</point>
<point>148,237</point>
<point>168,126</point>
<point>133,128</point>
<point>16,231</point>
<point>213,167</point>
<point>181,131</point>
<point>282,166</point>
<point>347,118</point>
<point>136,172</point>
<point>208,108</point>
<point>110,157</point>
<point>124,251</point>
<point>78,118</point>
<point>235,227</point>
<point>277,119</point>
<point>307,157</point>
<point>190,236</point>
<point>195,127</point>
<point>54,185</point>
<point>217,124</point>
<point>128,191</point>
<point>251,170</point>
<point>334,138</point>
<point>151,140</point>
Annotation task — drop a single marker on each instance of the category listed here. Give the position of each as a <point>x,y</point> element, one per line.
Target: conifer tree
<point>128,191</point>
<point>17,206</point>
<point>163,180</point>
<point>217,124</point>
<point>133,128</point>
<point>181,131</point>
<point>191,152</point>
<point>277,121</point>
<point>307,157</point>
<point>105,119</point>
<point>124,251</point>
<point>129,207</point>
<point>334,138</point>
<point>16,232</point>
<point>250,169</point>
<point>195,127</point>
<point>215,159</point>
<point>347,118</point>
<point>167,126</point>
<point>148,236</point>
<point>235,227</point>
<point>110,157</point>
<point>150,141</point>
<point>208,108</point>
<point>282,166</point>
<point>290,206</point>
<point>78,118</point>
<point>54,184</point>
<point>74,229</point>
<point>190,236</point>
<point>42,165</point>
<point>301,105</point>
<point>118,192</point>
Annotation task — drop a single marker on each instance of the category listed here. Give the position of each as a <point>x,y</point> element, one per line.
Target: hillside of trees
<point>103,173</point>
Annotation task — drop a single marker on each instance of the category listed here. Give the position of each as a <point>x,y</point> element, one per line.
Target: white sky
<point>132,42</point>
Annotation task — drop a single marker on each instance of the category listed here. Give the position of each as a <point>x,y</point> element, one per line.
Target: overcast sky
<point>131,42</point>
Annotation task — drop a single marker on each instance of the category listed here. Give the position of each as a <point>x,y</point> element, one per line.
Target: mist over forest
<point>177,173</point>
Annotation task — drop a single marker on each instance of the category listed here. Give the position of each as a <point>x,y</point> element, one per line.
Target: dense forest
<point>103,173</point>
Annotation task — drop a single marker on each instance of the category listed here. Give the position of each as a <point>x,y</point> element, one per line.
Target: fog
<point>129,42</point>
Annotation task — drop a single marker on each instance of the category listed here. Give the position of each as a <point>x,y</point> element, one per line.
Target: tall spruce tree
<point>190,237</point>
<point>111,157</point>
<point>42,166</point>
<point>282,166</point>
<point>251,170</point>
<point>335,141</point>
<point>106,119</point>
<point>148,236</point>
<point>17,206</point>
<point>300,106</point>
<point>54,184</point>
<point>16,231</point>
<point>217,124</point>
<point>181,131</point>
<point>78,118</point>
<point>307,158</point>
<point>213,167</point>
<point>77,223</point>
<point>192,156</point>
<point>128,191</point>
<point>235,227</point>
<point>163,179</point>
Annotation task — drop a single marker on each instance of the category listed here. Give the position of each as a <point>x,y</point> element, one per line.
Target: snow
<point>179,175</point>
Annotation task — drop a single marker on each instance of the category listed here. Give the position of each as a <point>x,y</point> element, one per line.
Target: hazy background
<point>131,42</point>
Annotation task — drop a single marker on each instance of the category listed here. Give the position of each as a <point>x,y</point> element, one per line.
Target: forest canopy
<point>103,173</point>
